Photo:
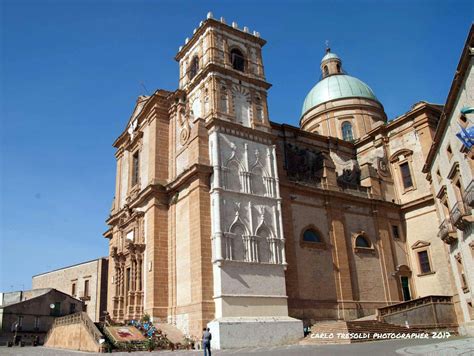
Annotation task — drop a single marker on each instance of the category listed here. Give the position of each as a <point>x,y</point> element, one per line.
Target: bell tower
<point>222,74</point>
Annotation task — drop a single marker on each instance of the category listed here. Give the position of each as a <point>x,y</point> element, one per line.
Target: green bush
<point>150,344</point>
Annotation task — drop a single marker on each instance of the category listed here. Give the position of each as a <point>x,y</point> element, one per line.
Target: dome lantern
<point>331,64</point>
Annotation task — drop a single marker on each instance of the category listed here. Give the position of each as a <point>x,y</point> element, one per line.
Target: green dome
<point>337,87</point>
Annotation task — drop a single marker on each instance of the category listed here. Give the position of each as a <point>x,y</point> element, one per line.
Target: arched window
<point>326,71</point>
<point>311,235</point>
<point>257,185</point>
<point>233,177</point>
<point>263,246</point>
<point>237,243</point>
<point>347,131</point>
<point>237,59</point>
<point>194,67</point>
<point>361,241</point>
<point>338,66</point>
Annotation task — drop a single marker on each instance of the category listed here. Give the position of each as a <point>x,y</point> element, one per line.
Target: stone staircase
<point>325,332</point>
<point>74,332</point>
<point>346,332</point>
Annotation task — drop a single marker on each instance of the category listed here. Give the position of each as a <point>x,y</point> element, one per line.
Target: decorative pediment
<point>400,155</point>
<point>403,271</point>
<point>258,164</point>
<point>141,101</point>
<point>403,268</point>
<point>420,244</point>
<point>238,222</point>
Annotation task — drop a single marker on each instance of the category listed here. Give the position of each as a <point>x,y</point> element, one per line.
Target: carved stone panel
<point>347,171</point>
<point>303,164</point>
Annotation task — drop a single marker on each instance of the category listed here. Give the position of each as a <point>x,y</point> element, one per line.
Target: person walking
<point>206,341</point>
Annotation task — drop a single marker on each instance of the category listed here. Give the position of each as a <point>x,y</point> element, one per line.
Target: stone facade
<point>450,171</point>
<point>224,218</point>
<point>85,281</point>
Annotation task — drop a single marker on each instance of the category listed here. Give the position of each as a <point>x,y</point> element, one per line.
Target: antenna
<point>144,88</point>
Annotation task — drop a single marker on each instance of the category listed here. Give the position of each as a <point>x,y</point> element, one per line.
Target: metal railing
<point>457,213</point>
<point>469,195</point>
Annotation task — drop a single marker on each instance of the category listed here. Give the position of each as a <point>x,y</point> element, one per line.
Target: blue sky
<point>71,72</point>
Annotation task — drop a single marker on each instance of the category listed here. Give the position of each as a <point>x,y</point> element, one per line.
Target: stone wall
<point>72,337</point>
<point>436,314</point>
<point>93,271</point>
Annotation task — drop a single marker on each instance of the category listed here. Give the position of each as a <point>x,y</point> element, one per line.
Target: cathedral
<point>223,218</point>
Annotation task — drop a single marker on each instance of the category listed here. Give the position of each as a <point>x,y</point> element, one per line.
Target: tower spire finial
<point>328,49</point>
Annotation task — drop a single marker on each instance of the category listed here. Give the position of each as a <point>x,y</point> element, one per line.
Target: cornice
<point>418,203</point>
<point>152,190</point>
<point>378,106</point>
<point>329,141</point>
<point>109,233</point>
<point>217,68</point>
<point>323,192</point>
<point>238,130</point>
<point>197,170</point>
<point>217,24</point>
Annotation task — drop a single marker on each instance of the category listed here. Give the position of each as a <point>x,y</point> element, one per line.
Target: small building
<point>86,281</point>
<point>29,315</point>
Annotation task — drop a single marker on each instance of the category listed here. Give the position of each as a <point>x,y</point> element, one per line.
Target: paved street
<point>454,346</point>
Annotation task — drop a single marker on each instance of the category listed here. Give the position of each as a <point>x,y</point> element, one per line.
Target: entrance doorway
<point>405,288</point>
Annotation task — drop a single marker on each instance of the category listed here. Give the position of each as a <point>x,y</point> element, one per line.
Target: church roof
<point>334,87</point>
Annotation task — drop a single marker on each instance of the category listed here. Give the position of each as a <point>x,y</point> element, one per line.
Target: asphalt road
<point>453,346</point>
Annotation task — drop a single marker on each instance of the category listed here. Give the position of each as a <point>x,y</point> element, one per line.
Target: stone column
<point>216,201</point>
<point>279,209</point>
<point>140,283</point>
<point>340,258</point>
<point>387,262</point>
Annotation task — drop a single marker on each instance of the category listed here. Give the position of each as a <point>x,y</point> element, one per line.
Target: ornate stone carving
<point>183,136</point>
<point>349,177</point>
<point>241,101</point>
<point>303,164</point>
<point>348,171</point>
<point>382,166</point>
